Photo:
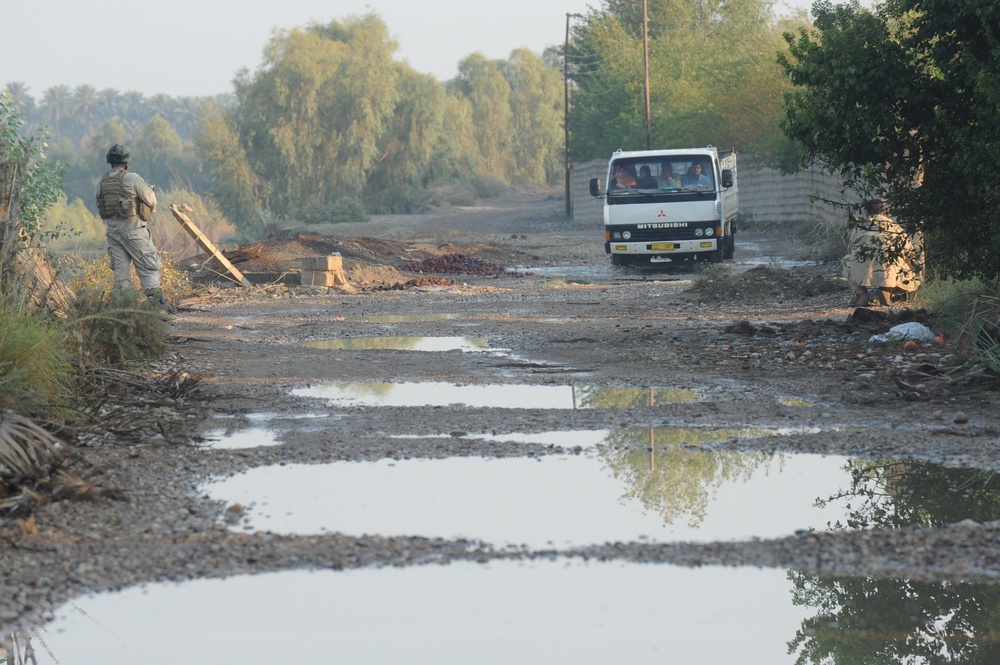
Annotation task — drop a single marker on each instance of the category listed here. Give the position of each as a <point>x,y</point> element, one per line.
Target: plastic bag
<point>912,330</point>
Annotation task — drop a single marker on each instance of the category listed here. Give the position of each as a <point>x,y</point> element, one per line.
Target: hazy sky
<point>195,47</point>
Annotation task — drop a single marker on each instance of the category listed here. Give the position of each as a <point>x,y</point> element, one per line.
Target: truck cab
<point>669,206</point>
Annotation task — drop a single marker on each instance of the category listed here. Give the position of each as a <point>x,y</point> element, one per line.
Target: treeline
<point>332,126</point>
<point>714,78</point>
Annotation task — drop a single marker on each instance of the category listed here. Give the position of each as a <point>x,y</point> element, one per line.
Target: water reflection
<point>502,396</point>
<point>553,501</point>
<point>862,620</point>
<point>662,471</point>
<point>402,343</point>
<point>898,493</point>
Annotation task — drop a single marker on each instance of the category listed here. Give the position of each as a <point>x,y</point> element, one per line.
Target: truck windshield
<point>653,176</point>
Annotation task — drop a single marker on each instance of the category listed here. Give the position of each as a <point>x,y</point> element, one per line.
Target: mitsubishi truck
<point>664,207</point>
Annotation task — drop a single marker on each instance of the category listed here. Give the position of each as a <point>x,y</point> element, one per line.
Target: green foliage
<point>713,78</point>
<point>237,189</point>
<point>36,369</point>
<point>72,226</point>
<point>904,95</point>
<point>116,326</point>
<point>312,119</point>
<point>27,179</point>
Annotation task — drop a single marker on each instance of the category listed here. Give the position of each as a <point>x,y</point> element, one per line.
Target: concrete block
<point>332,263</point>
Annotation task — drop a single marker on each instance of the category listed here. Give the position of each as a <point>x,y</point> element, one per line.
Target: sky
<point>196,47</point>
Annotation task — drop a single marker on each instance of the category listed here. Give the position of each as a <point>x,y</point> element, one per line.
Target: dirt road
<point>750,357</point>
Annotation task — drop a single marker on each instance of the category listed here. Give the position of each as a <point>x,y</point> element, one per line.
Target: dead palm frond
<point>26,450</point>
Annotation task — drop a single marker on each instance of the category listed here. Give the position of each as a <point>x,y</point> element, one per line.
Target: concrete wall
<point>766,196</point>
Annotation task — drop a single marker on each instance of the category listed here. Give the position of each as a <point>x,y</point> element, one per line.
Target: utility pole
<point>645,66</point>
<point>569,166</point>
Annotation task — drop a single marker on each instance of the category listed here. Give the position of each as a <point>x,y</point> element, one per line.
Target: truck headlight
<point>616,235</point>
<point>709,231</point>
<point>626,235</point>
<point>698,233</point>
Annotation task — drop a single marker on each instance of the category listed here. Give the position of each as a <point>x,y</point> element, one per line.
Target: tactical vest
<point>113,201</point>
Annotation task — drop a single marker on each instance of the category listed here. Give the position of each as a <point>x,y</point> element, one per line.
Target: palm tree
<point>56,108</point>
<point>24,103</point>
<point>85,104</point>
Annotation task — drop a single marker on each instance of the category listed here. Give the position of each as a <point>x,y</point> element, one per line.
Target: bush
<point>970,313</point>
<point>114,326</point>
<point>36,369</point>
<point>824,241</point>
<point>341,211</point>
<point>95,274</point>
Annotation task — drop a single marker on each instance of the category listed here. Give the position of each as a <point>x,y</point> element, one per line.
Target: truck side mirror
<point>727,178</point>
<point>595,187</point>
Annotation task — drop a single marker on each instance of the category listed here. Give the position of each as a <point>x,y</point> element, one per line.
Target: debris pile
<point>455,264</point>
<point>416,284</point>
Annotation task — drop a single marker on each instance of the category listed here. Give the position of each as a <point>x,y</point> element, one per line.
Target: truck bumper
<point>664,249</point>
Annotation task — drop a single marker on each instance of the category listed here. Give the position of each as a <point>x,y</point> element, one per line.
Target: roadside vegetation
<point>901,101</point>
<point>57,322</point>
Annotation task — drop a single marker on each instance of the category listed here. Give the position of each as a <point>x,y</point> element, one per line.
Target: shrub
<point>36,369</point>
<point>341,211</point>
<point>113,326</point>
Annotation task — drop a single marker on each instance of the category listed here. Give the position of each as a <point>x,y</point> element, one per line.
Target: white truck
<point>665,207</point>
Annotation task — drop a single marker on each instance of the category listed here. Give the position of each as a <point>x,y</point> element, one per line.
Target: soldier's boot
<point>154,296</point>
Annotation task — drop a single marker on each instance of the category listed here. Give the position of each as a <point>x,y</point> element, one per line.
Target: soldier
<point>125,203</point>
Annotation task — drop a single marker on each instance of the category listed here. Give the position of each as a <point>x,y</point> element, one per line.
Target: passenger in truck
<point>646,179</point>
<point>667,177</point>
<point>624,177</point>
<point>696,177</point>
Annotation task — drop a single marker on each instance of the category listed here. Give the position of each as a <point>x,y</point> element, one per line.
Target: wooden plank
<point>207,244</point>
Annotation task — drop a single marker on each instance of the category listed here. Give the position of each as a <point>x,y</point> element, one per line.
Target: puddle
<point>619,494</point>
<point>253,437</point>
<point>410,318</point>
<point>258,436</point>
<point>795,401</point>
<point>501,612</point>
<point>501,396</point>
<point>403,343</point>
<point>545,611</point>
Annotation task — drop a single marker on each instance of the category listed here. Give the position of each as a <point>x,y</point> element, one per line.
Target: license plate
<point>661,246</point>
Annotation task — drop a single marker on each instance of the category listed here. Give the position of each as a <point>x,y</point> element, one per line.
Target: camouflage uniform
<point>118,196</point>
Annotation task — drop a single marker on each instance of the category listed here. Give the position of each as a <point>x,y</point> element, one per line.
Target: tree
<point>159,154</point>
<point>482,82</point>
<point>311,120</point>
<point>536,104</point>
<point>713,78</point>
<point>28,186</point>
<point>416,129</point>
<point>902,102</point>
<point>237,189</point>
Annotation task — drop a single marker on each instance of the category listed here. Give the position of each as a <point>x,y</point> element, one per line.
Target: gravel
<point>781,359</point>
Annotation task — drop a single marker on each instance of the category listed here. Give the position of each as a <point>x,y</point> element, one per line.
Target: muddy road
<point>677,388</point>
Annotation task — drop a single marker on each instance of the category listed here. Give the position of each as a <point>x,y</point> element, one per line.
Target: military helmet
<point>118,154</point>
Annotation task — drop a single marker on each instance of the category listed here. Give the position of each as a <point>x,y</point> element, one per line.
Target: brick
<point>332,263</point>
